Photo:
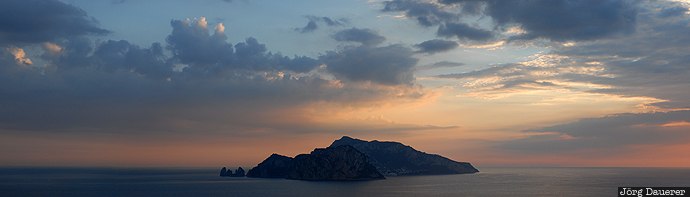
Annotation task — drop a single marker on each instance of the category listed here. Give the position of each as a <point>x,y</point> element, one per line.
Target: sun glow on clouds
<point>20,56</point>
<point>52,48</point>
<point>515,30</point>
<point>676,124</point>
<point>220,28</point>
<point>488,46</point>
<point>534,92</point>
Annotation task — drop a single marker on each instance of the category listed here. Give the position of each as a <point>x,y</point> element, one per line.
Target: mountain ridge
<point>397,159</point>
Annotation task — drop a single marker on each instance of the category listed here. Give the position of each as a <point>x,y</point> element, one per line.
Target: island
<point>350,159</point>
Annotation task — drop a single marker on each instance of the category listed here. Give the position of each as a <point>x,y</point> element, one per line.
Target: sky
<point>177,83</point>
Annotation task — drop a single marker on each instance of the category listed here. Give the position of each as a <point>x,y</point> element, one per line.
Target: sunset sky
<point>228,82</point>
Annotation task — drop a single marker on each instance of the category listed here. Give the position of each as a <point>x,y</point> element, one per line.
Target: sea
<point>491,181</point>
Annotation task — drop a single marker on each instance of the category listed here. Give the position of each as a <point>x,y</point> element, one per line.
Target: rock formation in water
<point>238,173</point>
<point>340,163</point>
<point>227,172</point>
<point>394,158</point>
<point>275,166</point>
<point>224,172</point>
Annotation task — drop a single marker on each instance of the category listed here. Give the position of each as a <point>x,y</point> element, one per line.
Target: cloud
<point>436,46</point>
<point>312,25</point>
<point>554,20</point>
<point>543,72</point>
<point>20,56</point>
<point>566,20</point>
<point>389,65</point>
<point>425,13</point>
<point>441,64</point>
<point>464,32</point>
<point>605,134</point>
<point>35,21</point>
<point>52,48</point>
<point>363,36</point>
<point>195,82</point>
<point>651,62</point>
<point>123,56</point>
<point>192,44</point>
<point>673,11</point>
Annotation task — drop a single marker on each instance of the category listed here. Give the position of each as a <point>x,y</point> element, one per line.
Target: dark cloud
<point>566,20</point>
<point>121,55</point>
<point>35,21</point>
<point>673,11</point>
<point>607,133</point>
<point>192,44</point>
<point>653,62</point>
<point>464,32</point>
<point>363,36</point>
<point>197,82</point>
<point>390,65</point>
<point>312,25</point>
<point>436,46</point>
<point>471,7</point>
<point>553,20</point>
<point>426,13</point>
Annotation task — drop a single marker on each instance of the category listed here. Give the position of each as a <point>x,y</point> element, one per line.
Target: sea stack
<point>239,172</point>
<point>224,172</point>
<point>228,172</point>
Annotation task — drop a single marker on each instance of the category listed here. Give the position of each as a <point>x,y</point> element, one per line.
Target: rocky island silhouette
<point>350,159</point>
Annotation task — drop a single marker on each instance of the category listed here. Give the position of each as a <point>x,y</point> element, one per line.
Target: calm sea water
<point>204,182</point>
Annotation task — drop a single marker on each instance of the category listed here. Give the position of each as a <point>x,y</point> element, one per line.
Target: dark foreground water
<point>204,182</point>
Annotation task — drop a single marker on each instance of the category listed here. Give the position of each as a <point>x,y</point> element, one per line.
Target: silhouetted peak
<point>223,172</point>
<point>275,155</point>
<point>346,140</point>
<point>341,148</point>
